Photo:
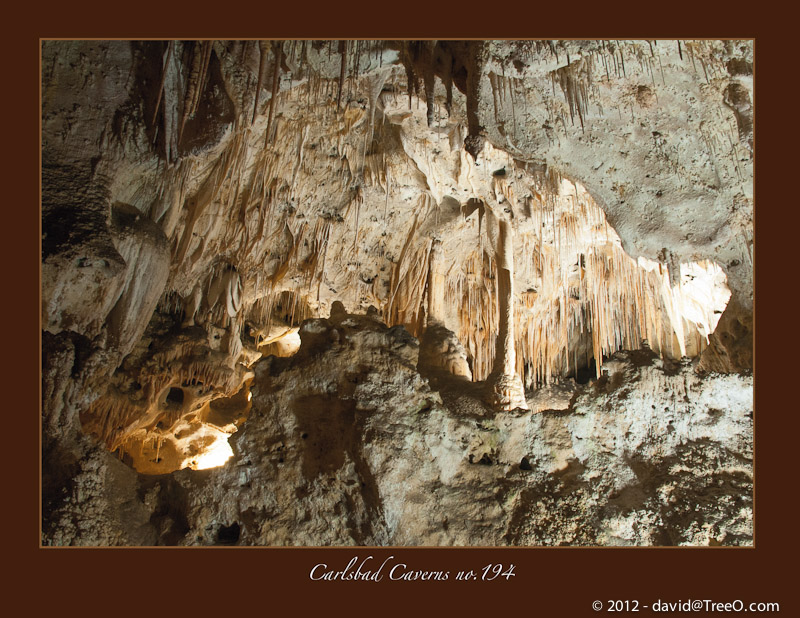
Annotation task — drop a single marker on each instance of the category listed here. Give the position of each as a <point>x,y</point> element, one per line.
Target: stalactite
<point>607,302</point>
<point>209,190</point>
<point>197,77</point>
<point>476,134</point>
<point>575,81</point>
<point>294,244</point>
<point>342,71</point>
<point>429,48</point>
<point>168,57</point>
<point>447,79</point>
<point>276,74</point>
<point>262,66</point>
<point>610,298</point>
<point>493,82</point>
<point>358,201</point>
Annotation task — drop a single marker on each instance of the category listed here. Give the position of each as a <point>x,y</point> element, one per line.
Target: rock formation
<point>397,292</point>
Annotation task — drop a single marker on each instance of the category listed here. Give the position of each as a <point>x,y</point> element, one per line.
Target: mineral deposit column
<point>506,391</point>
<point>436,281</point>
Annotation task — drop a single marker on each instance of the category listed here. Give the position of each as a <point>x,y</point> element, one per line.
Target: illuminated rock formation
<point>507,392</point>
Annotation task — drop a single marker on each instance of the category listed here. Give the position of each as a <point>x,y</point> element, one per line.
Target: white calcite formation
<point>503,287</point>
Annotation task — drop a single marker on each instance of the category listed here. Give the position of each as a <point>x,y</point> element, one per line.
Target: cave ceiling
<point>201,199</point>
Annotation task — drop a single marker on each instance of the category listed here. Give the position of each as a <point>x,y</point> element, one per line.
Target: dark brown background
<point>262,581</point>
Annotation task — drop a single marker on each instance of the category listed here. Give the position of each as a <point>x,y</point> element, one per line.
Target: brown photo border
<point>548,581</point>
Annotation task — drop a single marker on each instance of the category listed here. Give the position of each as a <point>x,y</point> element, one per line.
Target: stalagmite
<point>506,391</point>
<point>436,285</point>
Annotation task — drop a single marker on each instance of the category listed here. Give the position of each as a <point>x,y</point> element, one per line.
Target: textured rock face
<point>567,199</point>
<point>347,444</point>
<point>381,458</point>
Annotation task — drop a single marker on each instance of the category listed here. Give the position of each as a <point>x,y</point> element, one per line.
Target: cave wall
<point>197,192</point>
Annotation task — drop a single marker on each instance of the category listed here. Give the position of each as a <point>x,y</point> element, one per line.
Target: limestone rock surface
<point>340,271</point>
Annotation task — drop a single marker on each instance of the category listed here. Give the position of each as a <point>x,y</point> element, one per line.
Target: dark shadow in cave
<point>331,432</point>
<point>229,535</point>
